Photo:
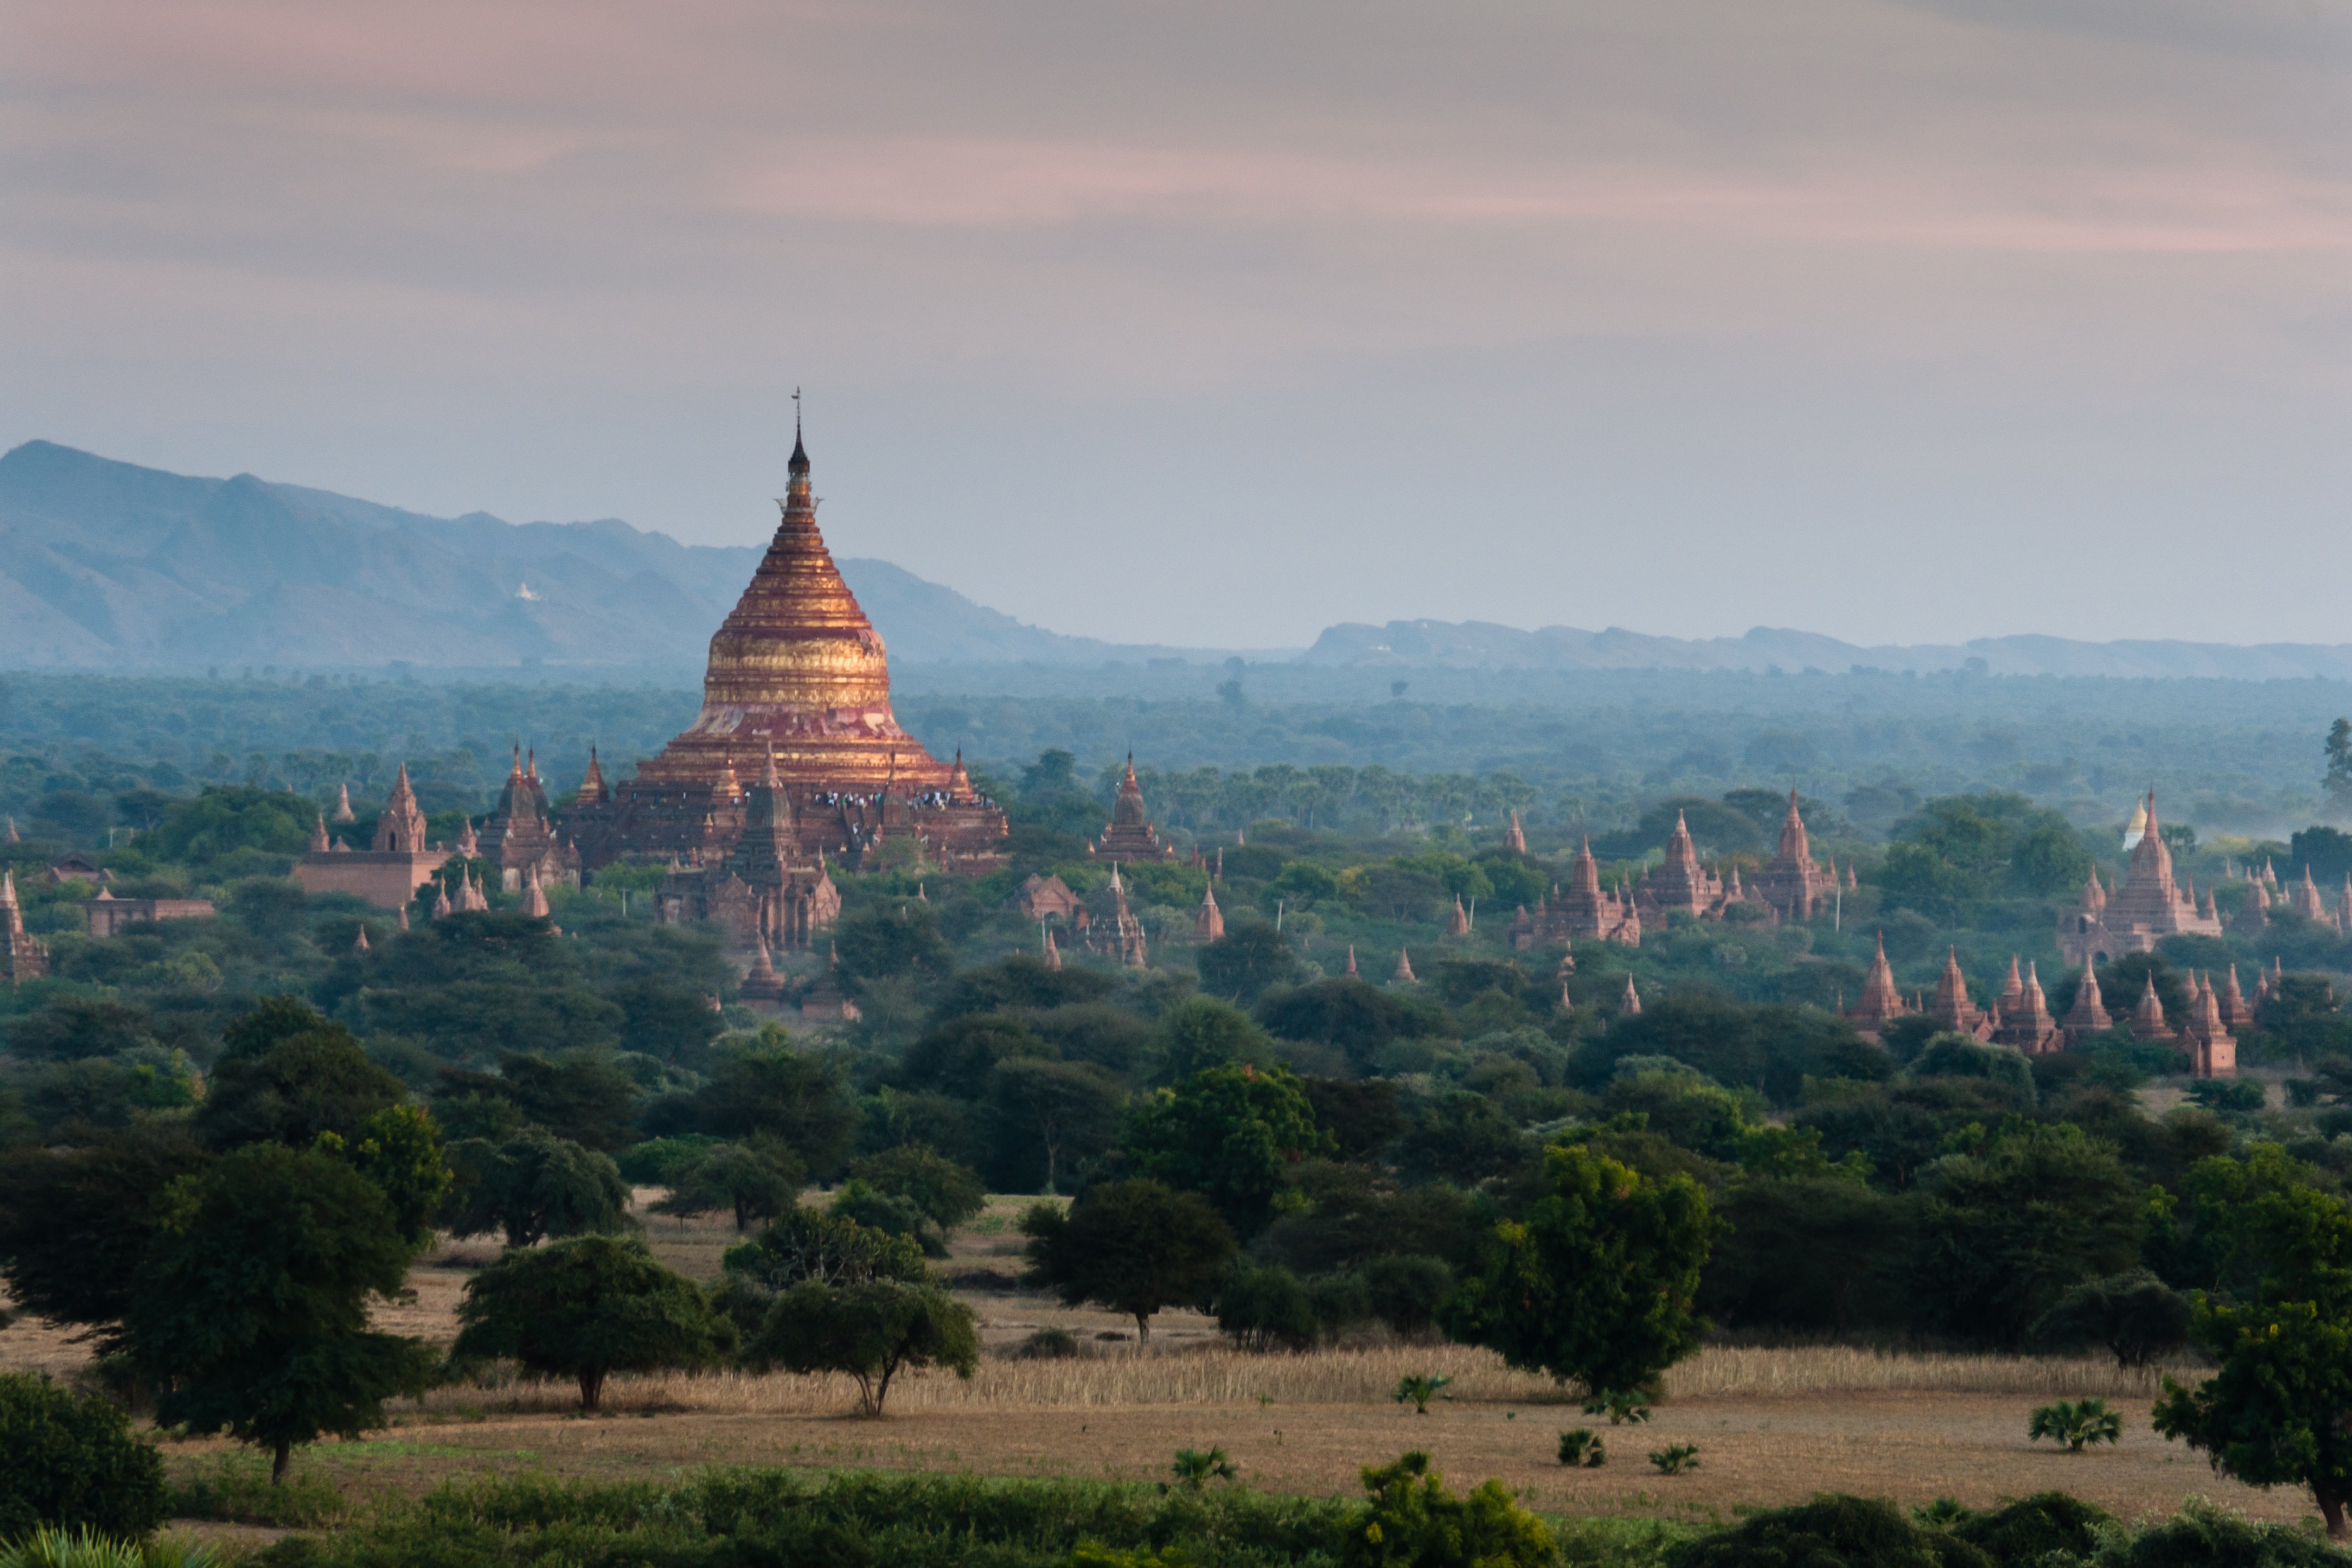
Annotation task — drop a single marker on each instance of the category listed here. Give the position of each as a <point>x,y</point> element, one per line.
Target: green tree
<point>1357,1018</point>
<point>251,1312</point>
<point>2278,1410</point>
<point>286,1075</point>
<point>1597,1282</point>
<point>2134,1314</point>
<point>1234,1134</point>
<point>586,1308</point>
<point>1049,1118</point>
<point>72,1463</point>
<point>758,1180</point>
<point>872,1331</point>
<point>1265,1308</point>
<point>796,1096</point>
<point>534,1184</point>
<point>584,1097</point>
<point>831,1249</point>
<point>1812,1255</point>
<point>948,1193</point>
<point>898,940</point>
<point>399,1148</point>
<point>877,1210</point>
<point>2007,1230</point>
<point>1251,959</point>
<point>76,1224</point>
<point>2338,778</point>
<point>1134,1247</point>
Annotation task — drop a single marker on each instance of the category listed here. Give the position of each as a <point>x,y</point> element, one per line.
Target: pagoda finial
<point>799,467</point>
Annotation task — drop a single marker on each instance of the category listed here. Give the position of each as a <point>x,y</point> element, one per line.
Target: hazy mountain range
<point>109,565</point>
<point>106,564</point>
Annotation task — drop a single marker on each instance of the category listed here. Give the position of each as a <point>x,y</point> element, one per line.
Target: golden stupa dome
<point>798,670</point>
<point>797,638</point>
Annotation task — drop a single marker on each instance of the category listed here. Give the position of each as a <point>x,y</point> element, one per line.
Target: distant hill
<point>105,564</point>
<point>1479,645</point>
<point>109,565</point>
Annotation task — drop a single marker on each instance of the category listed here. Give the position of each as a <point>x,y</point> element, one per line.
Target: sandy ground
<point>1754,1450</point>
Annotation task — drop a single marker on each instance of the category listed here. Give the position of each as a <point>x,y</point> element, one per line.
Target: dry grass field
<point>1771,1426</point>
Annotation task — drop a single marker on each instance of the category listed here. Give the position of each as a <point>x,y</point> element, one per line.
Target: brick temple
<point>794,763</point>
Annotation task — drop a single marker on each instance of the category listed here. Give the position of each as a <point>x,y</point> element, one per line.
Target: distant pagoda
<point>797,692</point>
<point>1130,836</point>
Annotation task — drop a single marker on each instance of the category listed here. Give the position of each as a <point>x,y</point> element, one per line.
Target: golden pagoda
<point>798,680</point>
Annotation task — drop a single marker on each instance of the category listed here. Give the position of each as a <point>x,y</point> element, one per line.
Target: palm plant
<point>2076,1423</point>
<point>1420,1390</point>
<point>1195,1469</point>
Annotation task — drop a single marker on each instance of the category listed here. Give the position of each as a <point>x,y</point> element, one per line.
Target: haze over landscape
<point>1632,712</point>
<point>1891,320</point>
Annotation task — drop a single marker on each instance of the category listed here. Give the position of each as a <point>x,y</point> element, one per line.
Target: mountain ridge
<point>109,565</point>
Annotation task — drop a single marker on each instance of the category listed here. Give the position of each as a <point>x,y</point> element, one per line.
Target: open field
<point>1772,1425</point>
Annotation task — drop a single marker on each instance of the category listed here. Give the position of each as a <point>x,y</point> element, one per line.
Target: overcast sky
<point>1217,322</point>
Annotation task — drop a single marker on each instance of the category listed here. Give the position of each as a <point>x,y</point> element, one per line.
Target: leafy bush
<point>906,1521</point>
<point>1418,1389</point>
<point>2076,1423</point>
<point>86,1548</point>
<point>1048,1344</point>
<point>72,1461</point>
<point>1675,1459</point>
<point>1830,1529</point>
<point>1194,1469</point>
<point>1581,1448</point>
<point>2029,1529</point>
<point>238,1490</point>
<point>1623,1406</point>
<point>2206,1535</point>
<point>1413,1518</point>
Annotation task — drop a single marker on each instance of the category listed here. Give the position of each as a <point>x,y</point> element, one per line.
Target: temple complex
<point>23,955</point>
<point>1584,912</point>
<point>798,686</point>
<point>1045,898</point>
<point>2213,1052</point>
<point>520,837</point>
<point>2023,1014</point>
<point>2148,907</point>
<point>393,866</point>
<point>1130,836</point>
<point>1793,886</point>
<point>763,886</point>
<point>1681,885</point>
<point>109,916</point>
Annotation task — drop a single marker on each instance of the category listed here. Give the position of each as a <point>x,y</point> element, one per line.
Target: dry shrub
<point>1218,1374</point>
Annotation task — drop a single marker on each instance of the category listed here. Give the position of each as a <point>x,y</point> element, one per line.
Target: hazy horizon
<point>1899,322</point>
